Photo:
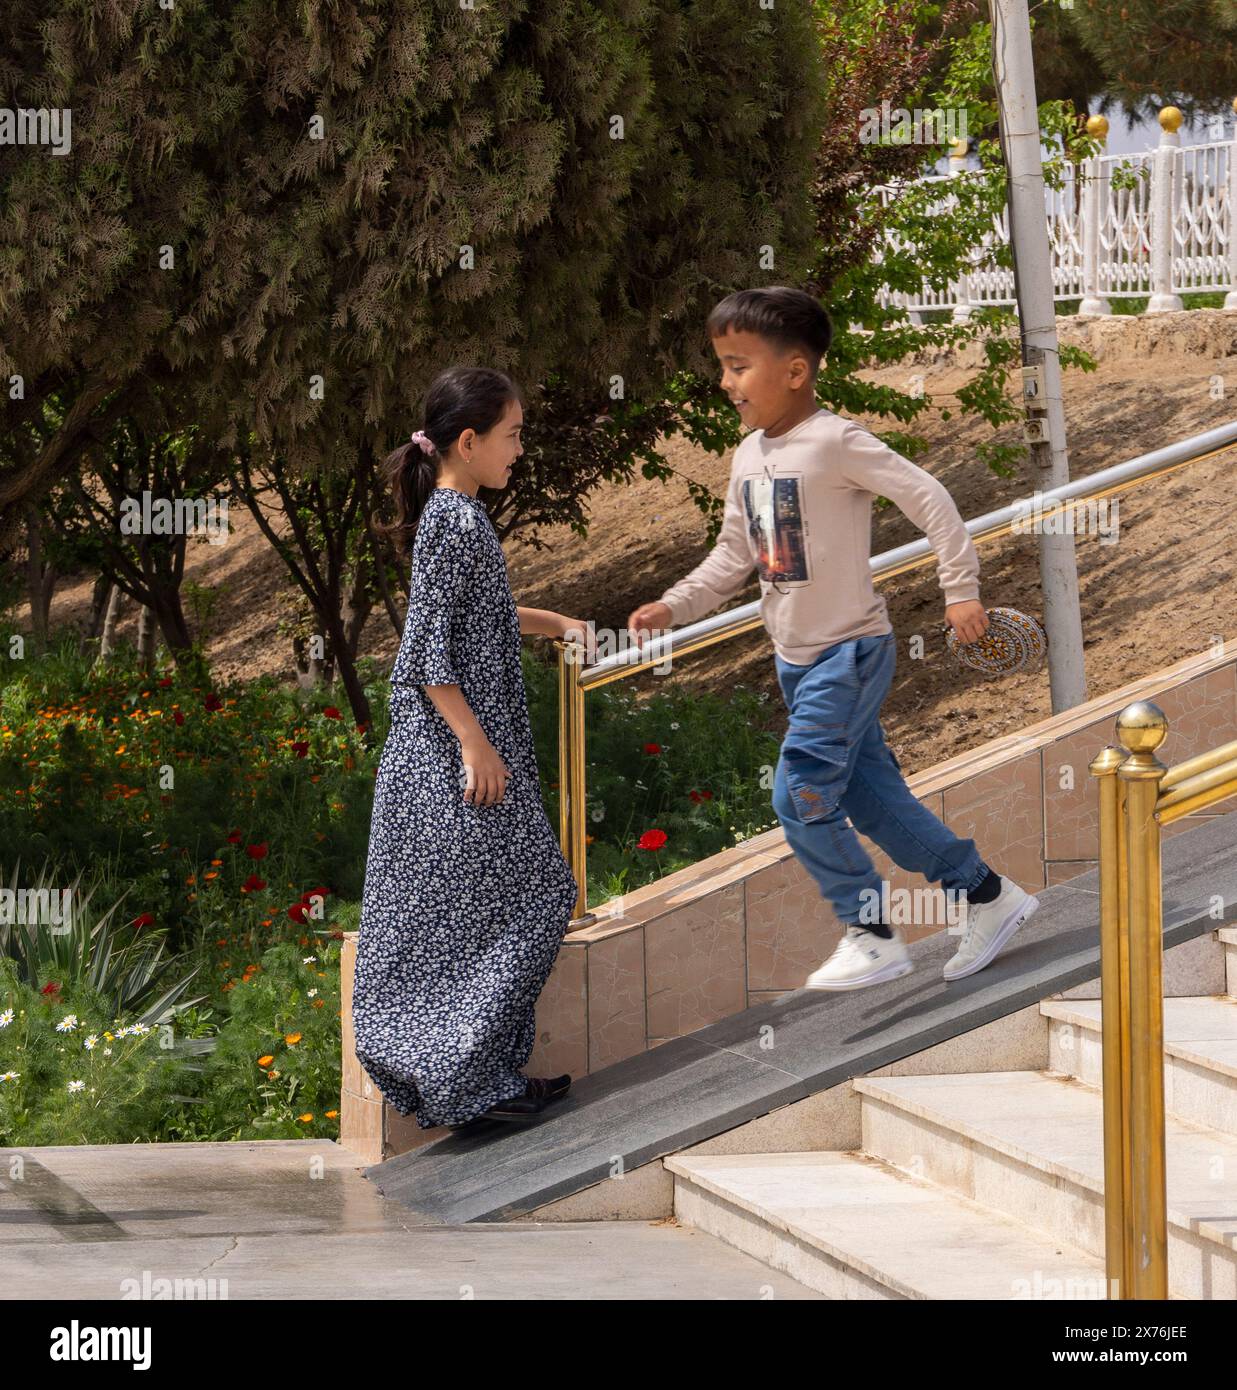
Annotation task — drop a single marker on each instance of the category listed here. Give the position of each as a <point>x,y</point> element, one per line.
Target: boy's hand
<point>967,619</point>
<point>648,616</point>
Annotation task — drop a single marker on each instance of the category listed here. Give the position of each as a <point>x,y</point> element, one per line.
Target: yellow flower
<point>304,1119</point>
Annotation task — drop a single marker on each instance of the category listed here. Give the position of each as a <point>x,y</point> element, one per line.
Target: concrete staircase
<point>989,1184</point>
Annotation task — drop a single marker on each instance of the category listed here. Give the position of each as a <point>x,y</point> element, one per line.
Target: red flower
<point>167,680</point>
<point>300,748</point>
<point>362,726</point>
<point>235,838</point>
<point>298,912</point>
<point>180,718</point>
<point>701,796</point>
<point>213,701</point>
<point>253,884</point>
<point>314,893</point>
<point>332,713</point>
<point>51,987</point>
<point>145,920</point>
<point>257,851</point>
<point>652,747</point>
<point>652,839</point>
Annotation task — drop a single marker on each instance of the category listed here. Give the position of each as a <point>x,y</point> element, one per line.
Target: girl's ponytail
<point>411,472</point>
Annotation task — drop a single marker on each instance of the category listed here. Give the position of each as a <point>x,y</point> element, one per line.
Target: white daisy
<point>67,1024</point>
<point>6,1018</point>
<point>77,1085</point>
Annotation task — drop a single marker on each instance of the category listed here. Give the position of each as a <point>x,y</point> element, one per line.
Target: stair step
<point>1200,1053</point>
<point>851,1226</point>
<point>1030,1144</point>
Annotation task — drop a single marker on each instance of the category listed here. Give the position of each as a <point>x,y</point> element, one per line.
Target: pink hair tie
<point>426,443</point>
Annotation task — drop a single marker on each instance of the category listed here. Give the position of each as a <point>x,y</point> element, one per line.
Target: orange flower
<point>267,1060</point>
<point>292,1039</point>
<point>332,1114</point>
<point>304,1119</point>
<point>210,876</point>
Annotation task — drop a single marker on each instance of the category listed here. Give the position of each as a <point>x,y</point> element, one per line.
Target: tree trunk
<point>40,579</point>
<point>98,604</point>
<point>111,619</point>
<point>146,628</point>
<point>309,670</point>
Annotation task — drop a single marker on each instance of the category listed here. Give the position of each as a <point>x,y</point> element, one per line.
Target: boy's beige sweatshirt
<point>799,509</point>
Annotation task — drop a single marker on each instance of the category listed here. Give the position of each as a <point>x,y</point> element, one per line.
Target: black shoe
<point>539,1091</point>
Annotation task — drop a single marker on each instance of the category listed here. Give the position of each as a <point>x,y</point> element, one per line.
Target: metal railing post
<point>1114,1020</point>
<point>571,793</point>
<point>1142,727</point>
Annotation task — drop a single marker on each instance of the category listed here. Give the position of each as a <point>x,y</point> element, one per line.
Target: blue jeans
<point>836,775</point>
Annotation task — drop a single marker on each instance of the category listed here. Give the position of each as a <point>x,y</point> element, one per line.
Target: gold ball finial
<point>1142,727</point>
<point>1097,127</point>
<point>958,149</point>
<point>1170,119</point>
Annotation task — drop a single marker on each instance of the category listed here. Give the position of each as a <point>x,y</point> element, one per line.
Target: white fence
<point>1170,232</point>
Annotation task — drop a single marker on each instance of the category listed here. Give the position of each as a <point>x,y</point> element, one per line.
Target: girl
<point>467,894</point>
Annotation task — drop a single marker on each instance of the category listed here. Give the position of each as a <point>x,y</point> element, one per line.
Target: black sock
<point>990,888</point>
<point>877,929</point>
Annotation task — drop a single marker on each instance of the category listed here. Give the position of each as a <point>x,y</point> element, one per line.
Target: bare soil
<point>1164,591</point>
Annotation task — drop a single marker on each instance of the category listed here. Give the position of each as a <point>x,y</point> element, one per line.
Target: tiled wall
<point>749,924</point>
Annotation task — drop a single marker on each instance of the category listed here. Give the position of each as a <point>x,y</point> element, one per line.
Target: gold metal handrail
<point>1134,805</point>
<point>575,678</point>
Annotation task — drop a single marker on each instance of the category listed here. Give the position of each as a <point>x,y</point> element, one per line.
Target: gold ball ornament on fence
<point>1013,642</point>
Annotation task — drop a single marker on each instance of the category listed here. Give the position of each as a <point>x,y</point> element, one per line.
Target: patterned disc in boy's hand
<point>1013,642</point>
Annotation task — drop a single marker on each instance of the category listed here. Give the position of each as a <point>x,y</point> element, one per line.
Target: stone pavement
<point>296,1219</point>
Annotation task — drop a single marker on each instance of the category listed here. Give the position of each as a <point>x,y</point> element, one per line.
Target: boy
<point>798,507</point>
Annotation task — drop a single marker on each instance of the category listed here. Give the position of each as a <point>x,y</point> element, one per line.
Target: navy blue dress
<point>464,907</point>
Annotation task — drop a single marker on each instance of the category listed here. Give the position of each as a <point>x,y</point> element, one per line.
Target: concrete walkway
<point>295,1219</point>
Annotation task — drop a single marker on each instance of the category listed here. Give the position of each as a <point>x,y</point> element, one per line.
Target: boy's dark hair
<point>459,399</point>
<point>788,317</point>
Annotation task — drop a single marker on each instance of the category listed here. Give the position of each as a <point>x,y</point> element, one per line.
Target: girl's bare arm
<point>486,773</point>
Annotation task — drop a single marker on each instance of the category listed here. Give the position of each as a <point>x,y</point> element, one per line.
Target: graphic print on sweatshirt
<point>775,528</point>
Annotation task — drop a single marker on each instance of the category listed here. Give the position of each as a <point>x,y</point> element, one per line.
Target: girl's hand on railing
<point>648,617</point>
<point>578,630</point>
<point>485,773</point>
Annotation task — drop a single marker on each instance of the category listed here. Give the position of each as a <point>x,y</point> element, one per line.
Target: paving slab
<point>295,1219</point>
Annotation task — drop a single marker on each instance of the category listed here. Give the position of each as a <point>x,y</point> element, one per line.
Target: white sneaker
<point>988,926</point>
<point>862,958</point>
